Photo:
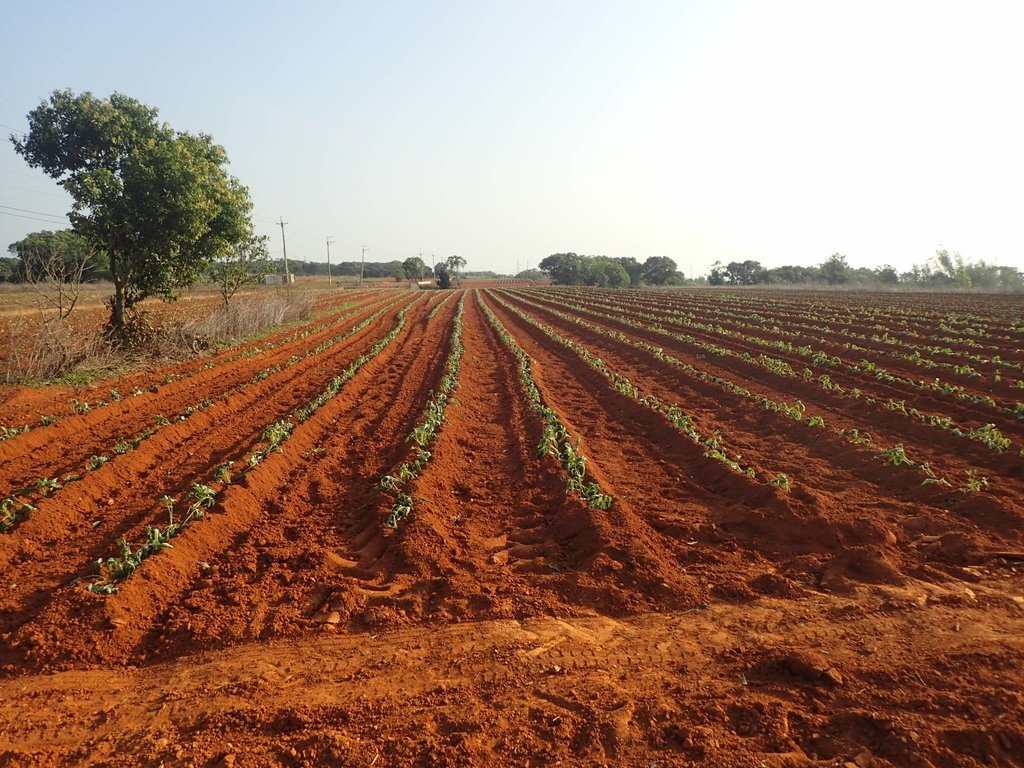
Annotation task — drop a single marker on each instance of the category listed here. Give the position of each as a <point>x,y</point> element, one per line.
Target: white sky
<point>776,131</point>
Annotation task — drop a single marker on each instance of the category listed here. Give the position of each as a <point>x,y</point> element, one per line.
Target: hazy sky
<point>503,132</point>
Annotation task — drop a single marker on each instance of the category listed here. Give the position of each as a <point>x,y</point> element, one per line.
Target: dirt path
<point>822,682</point>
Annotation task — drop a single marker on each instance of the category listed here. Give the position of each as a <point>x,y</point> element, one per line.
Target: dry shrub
<point>246,317</point>
<point>40,348</point>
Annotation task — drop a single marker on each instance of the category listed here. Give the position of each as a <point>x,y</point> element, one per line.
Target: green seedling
<point>96,461</point>
<point>975,482</point>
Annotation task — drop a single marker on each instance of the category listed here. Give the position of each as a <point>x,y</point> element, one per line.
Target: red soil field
<point>813,553</point>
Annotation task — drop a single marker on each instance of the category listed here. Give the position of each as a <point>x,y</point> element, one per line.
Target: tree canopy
<point>158,202</point>
<point>242,264</point>
<point>414,268</point>
<point>573,269</point>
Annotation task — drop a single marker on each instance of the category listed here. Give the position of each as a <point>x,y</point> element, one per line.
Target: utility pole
<point>284,247</point>
<point>421,262</point>
<point>329,241</point>
<point>362,261</point>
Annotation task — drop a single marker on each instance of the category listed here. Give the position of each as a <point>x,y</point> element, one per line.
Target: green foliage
<point>658,270</point>
<point>555,438</point>
<point>158,202</point>
<point>114,570</point>
<point>748,272</point>
<point>442,275</point>
<point>414,268</point>
<point>243,263</point>
<point>455,264</point>
<point>975,482</point>
<point>96,461</point>
<point>6,433</point>
<point>896,456</point>
<point>573,269</point>
<point>835,270</point>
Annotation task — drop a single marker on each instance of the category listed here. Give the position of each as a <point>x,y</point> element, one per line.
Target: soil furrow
<point>831,480</point>
<point>120,500</point>
<point>51,451</point>
<point>939,447</point>
<point>250,536</point>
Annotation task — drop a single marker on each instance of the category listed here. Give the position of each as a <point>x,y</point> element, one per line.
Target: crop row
<point>988,434</point>
<point>887,343</point>
<point>115,569</point>
<point>894,455</point>
<point>555,439</point>
<point>79,407</point>
<point>24,500</point>
<point>846,311</point>
<point>712,445</point>
<point>423,434</point>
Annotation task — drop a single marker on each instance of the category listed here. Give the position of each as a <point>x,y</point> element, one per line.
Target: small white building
<point>278,279</point>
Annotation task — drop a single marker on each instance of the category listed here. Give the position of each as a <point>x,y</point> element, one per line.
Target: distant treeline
<point>36,256</point>
<point>621,272</point>
<point>943,271</point>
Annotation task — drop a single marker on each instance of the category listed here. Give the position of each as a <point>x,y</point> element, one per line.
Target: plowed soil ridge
<point>51,451</point>
<point>707,618</point>
<point>894,428</point>
<point>25,405</point>
<point>962,410</point>
<point>75,536</point>
<point>832,481</point>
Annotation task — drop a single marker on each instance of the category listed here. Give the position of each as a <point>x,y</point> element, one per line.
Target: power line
<point>12,128</point>
<point>35,191</point>
<point>38,213</point>
<point>31,218</point>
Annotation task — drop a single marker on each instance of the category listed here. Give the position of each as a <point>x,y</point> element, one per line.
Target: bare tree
<point>57,276</point>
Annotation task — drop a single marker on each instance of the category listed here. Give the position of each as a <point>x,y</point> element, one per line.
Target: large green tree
<point>414,268</point>
<point>158,202</point>
<point>564,268</point>
<point>658,270</point>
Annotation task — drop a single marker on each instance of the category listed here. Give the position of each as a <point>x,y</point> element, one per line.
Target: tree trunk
<point>117,329</point>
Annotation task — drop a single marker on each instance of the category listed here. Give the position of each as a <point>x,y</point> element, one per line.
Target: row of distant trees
<point>622,272</point>
<point>69,257</point>
<point>941,272</point>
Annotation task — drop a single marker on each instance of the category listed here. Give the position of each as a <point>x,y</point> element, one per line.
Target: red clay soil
<point>945,451</point>
<point>21,405</point>
<point>823,335</point>
<point>707,618</point>
<point>1006,393</point>
<point>900,427</point>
